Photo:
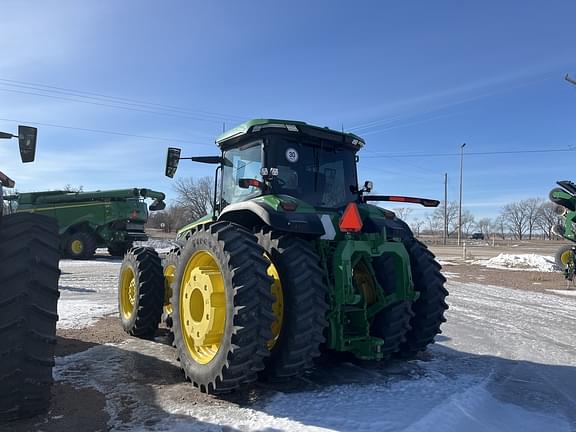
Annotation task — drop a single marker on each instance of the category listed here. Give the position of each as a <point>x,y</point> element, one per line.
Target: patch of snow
<point>160,245</point>
<point>88,291</point>
<point>446,263</point>
<point>526,262</point>
<point>571,293</point>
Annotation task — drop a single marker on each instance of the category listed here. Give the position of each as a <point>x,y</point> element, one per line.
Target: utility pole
<point>445,208</point>
<point>460,204</point>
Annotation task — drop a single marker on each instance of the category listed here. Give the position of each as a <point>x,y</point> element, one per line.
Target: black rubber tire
<point>305,305</point>
<point>172,259</point>
<point>119,249</point>
<point>149,297</point>
<point>559,253</point>
<point>393,322</point>
<point>88,245</point>
<point>429,308</point>
<point>248,308</point>
<point>569,204</point>
<point>28,313</point>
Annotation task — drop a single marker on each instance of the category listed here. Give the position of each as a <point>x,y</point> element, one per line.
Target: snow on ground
<point>531,262</point>
<point>88,291</point>
<point>161,245</point>
<point>506,362</point>
<point>564,292</point>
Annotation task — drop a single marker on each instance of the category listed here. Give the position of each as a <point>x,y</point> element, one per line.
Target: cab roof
<point>256,126</point>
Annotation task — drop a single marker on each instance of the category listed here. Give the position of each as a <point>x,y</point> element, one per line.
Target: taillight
<point>351,220</point>
<point>288,206</point>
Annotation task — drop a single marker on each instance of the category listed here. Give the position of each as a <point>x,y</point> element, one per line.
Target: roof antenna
<point>223,126</point>
<point>342,127</point>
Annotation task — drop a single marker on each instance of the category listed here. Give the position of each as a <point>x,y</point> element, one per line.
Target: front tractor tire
<point>564,256</point>
<point>222,308</point>
<point>28,313</point>
<point>80,245</point>
<point>299,307</point>
<point>429,308</point>
<point>141,292</point>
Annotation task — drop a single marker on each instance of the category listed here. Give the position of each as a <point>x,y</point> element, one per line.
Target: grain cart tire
<point>170,265</point>
<point>28,313</point>
<point>564,255</point>
<point>119,249</point>
<point>141,292</point>
<point>80,245</point>
<point>299,307</point>
<point>222,305</point>
<point>429,308</point>
<point>393,322</point>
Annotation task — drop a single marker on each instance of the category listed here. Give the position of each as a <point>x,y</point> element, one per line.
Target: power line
<point>100,96</point>
<point>107,132</point>
<point>486,153</point>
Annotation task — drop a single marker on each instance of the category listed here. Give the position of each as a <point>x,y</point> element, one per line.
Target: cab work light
<point>351,220</point>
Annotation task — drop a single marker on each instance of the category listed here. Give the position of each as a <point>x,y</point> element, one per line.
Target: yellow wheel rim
<point>278,305</point>
<point>169,276</point>
<point>77,247</point>
<point>202,307</point>
<point>566,257</point>
<point>127,293</point>
<point>365,282</point>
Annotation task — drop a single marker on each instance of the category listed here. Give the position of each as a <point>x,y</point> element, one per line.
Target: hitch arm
<point>395,198</point>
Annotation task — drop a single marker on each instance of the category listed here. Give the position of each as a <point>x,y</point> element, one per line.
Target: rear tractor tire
<point>299,307</point>
<point>80,245</point>
<point>393,322</point>
<point>222,308</point>
<point>429,308</point>
<point>141,292</point>
<point>28,313</point>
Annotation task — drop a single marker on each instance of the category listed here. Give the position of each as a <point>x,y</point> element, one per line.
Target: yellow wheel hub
<point>169,276</point>
<point>127,293</point>
<point>365,282</point>
<point>77,247</point>
<point>566,258</point>
<point>202,307</point>
<point>278,305</point>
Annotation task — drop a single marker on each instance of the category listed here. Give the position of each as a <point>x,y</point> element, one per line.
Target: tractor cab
<point>278,157</point>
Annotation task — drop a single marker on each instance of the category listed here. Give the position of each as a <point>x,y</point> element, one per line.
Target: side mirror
<point>246,183</point>
<point>368,186</point>
<point>157,205</point>
<point>27,141</point>
<point>172,159</point>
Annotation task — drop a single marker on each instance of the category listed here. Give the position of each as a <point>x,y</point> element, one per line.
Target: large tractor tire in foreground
<point>299,307</point>
<point>222,305</point>
<point>141,292</point>
<point>429,308</point>
<point>28,313</point>
<point>119,249</point>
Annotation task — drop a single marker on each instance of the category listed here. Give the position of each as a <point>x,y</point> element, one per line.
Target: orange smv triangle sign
<point>351,220</point>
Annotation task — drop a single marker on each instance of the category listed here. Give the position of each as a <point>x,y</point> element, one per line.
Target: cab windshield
<point>323,175</point>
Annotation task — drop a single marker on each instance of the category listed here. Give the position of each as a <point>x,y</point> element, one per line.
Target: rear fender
<point>252,214</point>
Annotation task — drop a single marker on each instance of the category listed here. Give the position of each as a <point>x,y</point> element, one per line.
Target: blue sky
<point>410,77</point>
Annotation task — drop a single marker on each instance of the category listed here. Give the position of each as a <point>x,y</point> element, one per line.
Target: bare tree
<point>416,225</point>
<point>195,196</point>
<point>547,217</point>
<point>451,216</point>
<point>170,219</point>
<point>515,217</point>
<point>532,207</point>
<point>69,188</point>
<point>468,222</point>
<point>484,226</point>
<point>500,227</point>
<point>403,212</point>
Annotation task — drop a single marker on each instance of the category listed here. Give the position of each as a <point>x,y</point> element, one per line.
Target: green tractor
<point>565,199</point>
<point>293,259</point>
<point>28,301</point>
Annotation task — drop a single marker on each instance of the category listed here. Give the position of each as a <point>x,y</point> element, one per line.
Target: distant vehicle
<point>477,236</point>
<point>88,220</point>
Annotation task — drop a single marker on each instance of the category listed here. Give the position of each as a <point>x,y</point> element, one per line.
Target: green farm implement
<point>113,219</point>
<point>294,258</point>
<point>565,199</point>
